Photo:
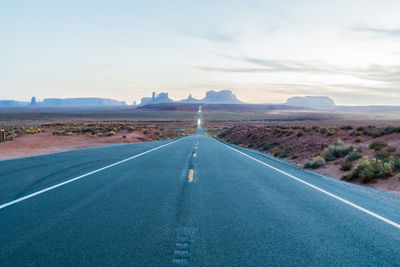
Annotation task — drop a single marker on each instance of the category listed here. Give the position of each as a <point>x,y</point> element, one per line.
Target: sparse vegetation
<point>315,163</point>
<point>352,156</point>
<point>337,150</point>
<point>369,170</point>
<point>378,145</point>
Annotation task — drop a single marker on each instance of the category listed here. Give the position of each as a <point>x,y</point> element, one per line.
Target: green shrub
<point>368,170</point>
<point>237,141</point>
<point>331,132</point>
<point>352,156</point>
<point>396,162</point>
<point>110,133</point>
<point>299,134</point>
<point>382,154</point>
<point>315,163</point>
<point>378,144</point>
<point>346,127</point>
<point>337,150</point>
<point>285,153</point>
<point>268,145</point>
<point>277,153</point>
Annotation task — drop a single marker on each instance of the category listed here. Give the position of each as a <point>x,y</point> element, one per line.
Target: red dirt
<point>46,142</point>
<point>308,145</point>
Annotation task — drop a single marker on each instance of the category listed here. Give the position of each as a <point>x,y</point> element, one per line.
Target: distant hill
<point>80,102</point>
<point>12,104</point>
<point>314,102</point>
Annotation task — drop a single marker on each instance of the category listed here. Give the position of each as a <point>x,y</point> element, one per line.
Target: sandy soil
<point>46,142</point>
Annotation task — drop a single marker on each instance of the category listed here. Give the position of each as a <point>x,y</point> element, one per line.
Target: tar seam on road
<point>2,206</point>
<point>320,189</point>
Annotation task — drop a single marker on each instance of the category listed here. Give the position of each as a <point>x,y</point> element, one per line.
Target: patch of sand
<point>46,142</point>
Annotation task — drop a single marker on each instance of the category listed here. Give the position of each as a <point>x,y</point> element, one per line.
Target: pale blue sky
<point>265,51</point>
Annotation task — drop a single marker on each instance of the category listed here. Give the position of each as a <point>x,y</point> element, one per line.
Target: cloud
<point>373,72</point>
<point>213,35</point>
<point>379,31</point>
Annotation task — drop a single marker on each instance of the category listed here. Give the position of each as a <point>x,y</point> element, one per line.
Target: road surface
<point>188,202</point>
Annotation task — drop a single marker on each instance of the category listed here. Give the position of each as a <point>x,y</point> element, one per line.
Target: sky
<point>264,51</point>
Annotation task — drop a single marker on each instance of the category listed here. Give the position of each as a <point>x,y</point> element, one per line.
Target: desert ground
<point>300,137</point>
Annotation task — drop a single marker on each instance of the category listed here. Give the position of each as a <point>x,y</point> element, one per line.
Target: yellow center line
<point>190,175</point>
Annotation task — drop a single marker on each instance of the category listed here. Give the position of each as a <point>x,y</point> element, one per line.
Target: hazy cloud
<point>379,31</point>
<point>375,72</point>
<point>213,35</point>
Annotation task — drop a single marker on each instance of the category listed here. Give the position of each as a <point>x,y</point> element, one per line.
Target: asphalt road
<point>192,201</point>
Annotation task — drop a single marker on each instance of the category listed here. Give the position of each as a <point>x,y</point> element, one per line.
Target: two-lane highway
<point>192,201</point>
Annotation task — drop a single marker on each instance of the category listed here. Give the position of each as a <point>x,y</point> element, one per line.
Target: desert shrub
<point>124,136</point>
<point>293,157</point>
<point>299,134</point>
<point>357,139</point>
<point>277,153</point>
<point>337,150</point>
<point>360,128</point>
<point>131,129</point>
<point>378,144</point>
<point>382,154</point>
<point>391,129</point>
<point>110,133</point>
<point>145,131</point>
<point>285,153</point>
<point>315,163</point>
<point>237,141</point>
<point>315,128</point>
<point>99,134</point>
<point>322,131</point>
<point>353,133</point>
<point>268,145</point>
<point>347,177</point>
<point>346,127</point>
<point>352,156</point>
<point>252,145</point>
<point>331,132</point>
<point>346,165</point>
<point>368,170</point>
<point>372,131</point>
<point>396,162</point>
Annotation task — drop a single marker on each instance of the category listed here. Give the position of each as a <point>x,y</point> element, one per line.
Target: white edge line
<point>2,206</point>
<point>319,189</point>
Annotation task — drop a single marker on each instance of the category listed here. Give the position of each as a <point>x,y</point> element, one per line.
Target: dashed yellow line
<point>191,173</point>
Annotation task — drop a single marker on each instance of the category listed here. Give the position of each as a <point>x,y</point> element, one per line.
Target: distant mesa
<point>212,97</point>
<point>314,102</point>
<point>12,104</point>
<point>156,99</point>
<point>80,102</point>
<point>190,99</point>
<point>221,97</point>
